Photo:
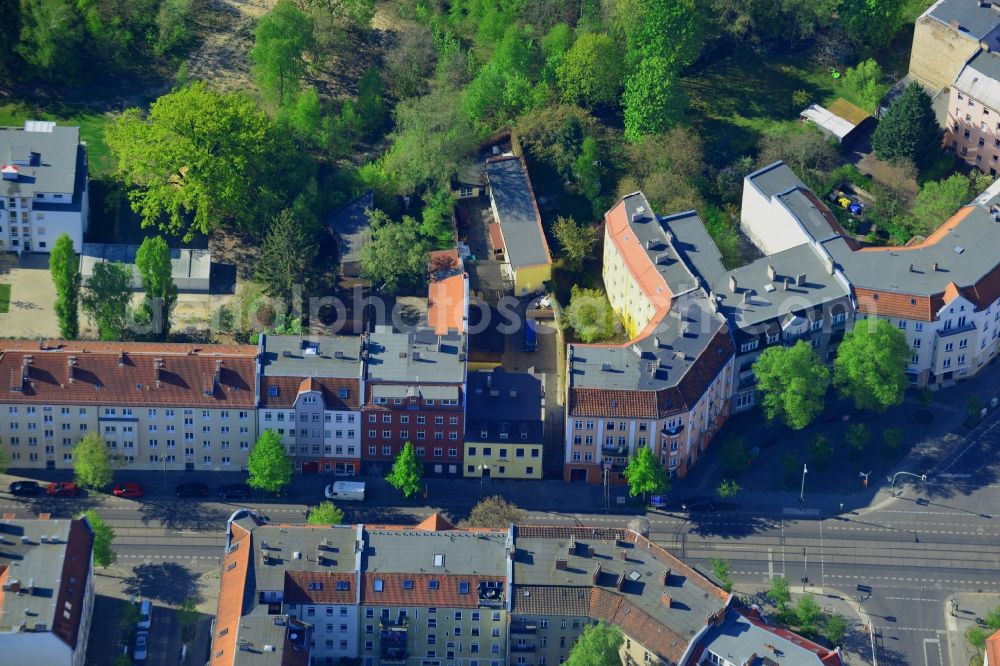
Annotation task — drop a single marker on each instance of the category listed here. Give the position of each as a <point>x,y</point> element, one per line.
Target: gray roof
<point>264,637</point>
<point>974,20</point>
<point>980,79</point>
<point>737,639</point>
<point>678,341</point>
<point>517,213</point>
<point>770,298</point>
<point>190,269</point>
<point>413,551</point>
<point>774,179</point>
<point>292,356</point>
<point>352,224</point>
<point>415,357</point>
<point>651,234</point>
<point>282,543</point>
<point>535,564</point>
<point>58,157</point>
<point>425,392</point>
<point>498,400</point>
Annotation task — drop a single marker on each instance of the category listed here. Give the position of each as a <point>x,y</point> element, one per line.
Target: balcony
<point>947,333</point>
<point>523,647</point>
<point>673,432</point>
<point>614,451</point>
<point>392,647</point>
<point>521,628</point>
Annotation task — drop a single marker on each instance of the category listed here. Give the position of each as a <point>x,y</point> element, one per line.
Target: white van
<point>145,615</point>
<point>353,491</point>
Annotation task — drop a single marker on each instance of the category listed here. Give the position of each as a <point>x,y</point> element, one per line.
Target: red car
<point>62,489</point>
<point>128,490</point>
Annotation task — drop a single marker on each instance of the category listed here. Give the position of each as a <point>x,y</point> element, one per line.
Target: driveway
<point>485,275</point>
<point>32,300</point>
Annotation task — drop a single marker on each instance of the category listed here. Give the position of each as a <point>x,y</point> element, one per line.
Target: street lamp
<point>802,491</point>
<point>865,475</point>
<point>892,480</point>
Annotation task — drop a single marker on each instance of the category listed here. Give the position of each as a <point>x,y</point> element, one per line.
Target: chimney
<point>623,554</point>
<point>121,358</point>
<point>590,551</point>
<point>787,281</point>
<point>416,355</point>
<point>510,551</point>
<point>935,267</point>
<point>829,265</point>
<point>665,577</point>
<point>25,364</point>
<point>620,581</point>
<point>439,343</point>
<point>800,279</point>
<point>955,24</point>
<point>571,548</point>
<point>732,283</point>
<point>596,575</point>
<point>911,268</point>
<point>746,295</point>
<point>666,600</point>
<point>158,366</point>
<point>771,273</point>
<point>70,364</point>
<point>561,565</point>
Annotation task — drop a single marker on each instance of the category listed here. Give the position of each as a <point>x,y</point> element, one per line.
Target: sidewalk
<point>971,607</point>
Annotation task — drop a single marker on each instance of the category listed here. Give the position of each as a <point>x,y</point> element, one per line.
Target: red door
<point>310,467</point>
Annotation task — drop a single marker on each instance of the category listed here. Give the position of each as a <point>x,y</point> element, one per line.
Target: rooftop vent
<point>606,366</point>
<point>800,279</point>
<point>338,354</point>
<point>732,283</point>
<point>959,249</point>
<point>9,172</point>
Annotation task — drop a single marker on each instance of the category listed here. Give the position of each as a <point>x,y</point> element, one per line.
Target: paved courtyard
<point>32,296</point>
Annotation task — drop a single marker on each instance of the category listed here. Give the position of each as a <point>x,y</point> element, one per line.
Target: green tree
<point>871,24</point>
<point>153,263</point>
<point>940,199</point>
<point>836,628</point>
<point>371,100</point>
<point>407,471</point>
<point>281,39</point>
<point>977,636</point>
<point>892,438</point>
<point>203,159</point>
<point>270,468</point>
<point>325,513</point>
<point>871,365</point>
<point>104,554</point>
<point>909,129</point>
<point>106,299</point>
<point>645,475</point>
<point>589,171</point>
<point>589,315</point>
<point>289,252</point>
<point>785,21</point>
<point>865,80</point>
<point>396,257</point>
<point>822,450</point>
<point>793,382</point>
<point>806,150</point>
<point>494,511</point>
<point>577,241</point>
<point>50,38</point>
<point>93,465</point>
<point>807,614</point>
<point>598,645</point>
<point>723,572</point>
<point>780,593</point>
<point>653,99</point>
<point>728,488</point>
<point>173,28</point>
<point>187,617</point>
<point>65,269</point>
<point>857,436</point>
<point>431,139</point>
<point>591,72</point>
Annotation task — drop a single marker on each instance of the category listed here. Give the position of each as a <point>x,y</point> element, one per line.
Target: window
<point>748,346</point>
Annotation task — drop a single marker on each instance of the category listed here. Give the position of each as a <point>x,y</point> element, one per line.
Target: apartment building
<point>43,186</point>
<point>668,388</point>
<point>310,393</point>
<point>947,35</point>
<point>504,436</point>
<point>974,113</point>
<point>414,392</point>
<point>943,293</point>
<point>47,598</point>
<point>158,406</point>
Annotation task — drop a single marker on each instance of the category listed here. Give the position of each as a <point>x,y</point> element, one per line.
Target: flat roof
<point>402,550</point>
<point>501,401</point>
<point>973,19</point>
<point>54,170</point>
<point>314,356</point>
<point>839,121</point>
<point>415,357</point>
<point>517,213</point>
<point>188,267</point>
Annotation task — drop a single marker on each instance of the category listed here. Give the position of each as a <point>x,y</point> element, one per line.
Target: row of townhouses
<point>696,327</point>
<point>431,594</point>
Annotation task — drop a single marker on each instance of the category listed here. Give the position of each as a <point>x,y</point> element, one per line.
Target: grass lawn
<point>4,298</point>
<point>91,124</point>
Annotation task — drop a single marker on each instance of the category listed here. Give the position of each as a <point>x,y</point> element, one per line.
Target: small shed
<point>841,120</point>
<point>190,269</point>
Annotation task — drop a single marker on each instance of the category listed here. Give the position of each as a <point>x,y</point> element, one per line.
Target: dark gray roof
<point>55,169</point>
<point>774,179</point>
<point>415,357</point>
<point>737,639</point>
<point>282,543</point>
<point>315,356</point>
<point>973,19</point>
<point>351,223</point>
<point>267,639</point>
<point>769,298</point>
<point>501,400</point>
<point>517,213</point>
<point>414,551</point>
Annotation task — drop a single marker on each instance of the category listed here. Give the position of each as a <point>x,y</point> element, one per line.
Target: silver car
<point>141,645</point>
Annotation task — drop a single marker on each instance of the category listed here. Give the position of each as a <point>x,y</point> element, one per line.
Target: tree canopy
<point>793,382</point>
<point>589,315</point>
<point>591,72</point>
<point>268,465</point>
<point>493,511</point>
<point>909,129</point>
<point>65,269</point>
<point>326,513</point>
<point>645,475</point>
<point>202,159</point>
<point>281,39</point>
<point>106,299</point>
<point>289,252</point>
<point>576,241</point>
<point>396,257</point>
<point>407,471</point>
<point>598,645</point>
<point>104,535</point>
<point>152,260</point>
<point>871,365</point>
<point>93,466</point>
<point>940,199</point>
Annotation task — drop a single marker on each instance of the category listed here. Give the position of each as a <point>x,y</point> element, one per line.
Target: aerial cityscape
<point>499,332</point>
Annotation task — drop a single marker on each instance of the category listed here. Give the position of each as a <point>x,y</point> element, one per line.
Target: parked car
<point>62,489</point>
<point>141,645</point>
<point>698,504</point>
<point>346,490</point>
<point>234,491</point>
<point>192,490</point>
<point>145,615</point>
<point>25,488</point>
<point>127,490</point>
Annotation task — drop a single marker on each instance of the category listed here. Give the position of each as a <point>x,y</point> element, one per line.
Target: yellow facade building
<point>503,428</point>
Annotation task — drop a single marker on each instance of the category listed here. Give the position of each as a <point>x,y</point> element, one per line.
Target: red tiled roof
<point>298,591</point>
<point>637,624</point>
<point>394,594</point>
<point>993,649</point>
<point>612,402</point>
<point>636,260</point>
<point>446,307</point>
<point>434,523</point>
<point>232,590</point>
<point>76,566</point>
<point>126,373</point>
<point>889,304</point>
<point>290,387</point>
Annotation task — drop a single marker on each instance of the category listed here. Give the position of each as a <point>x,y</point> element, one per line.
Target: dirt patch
<point>225,33</point>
